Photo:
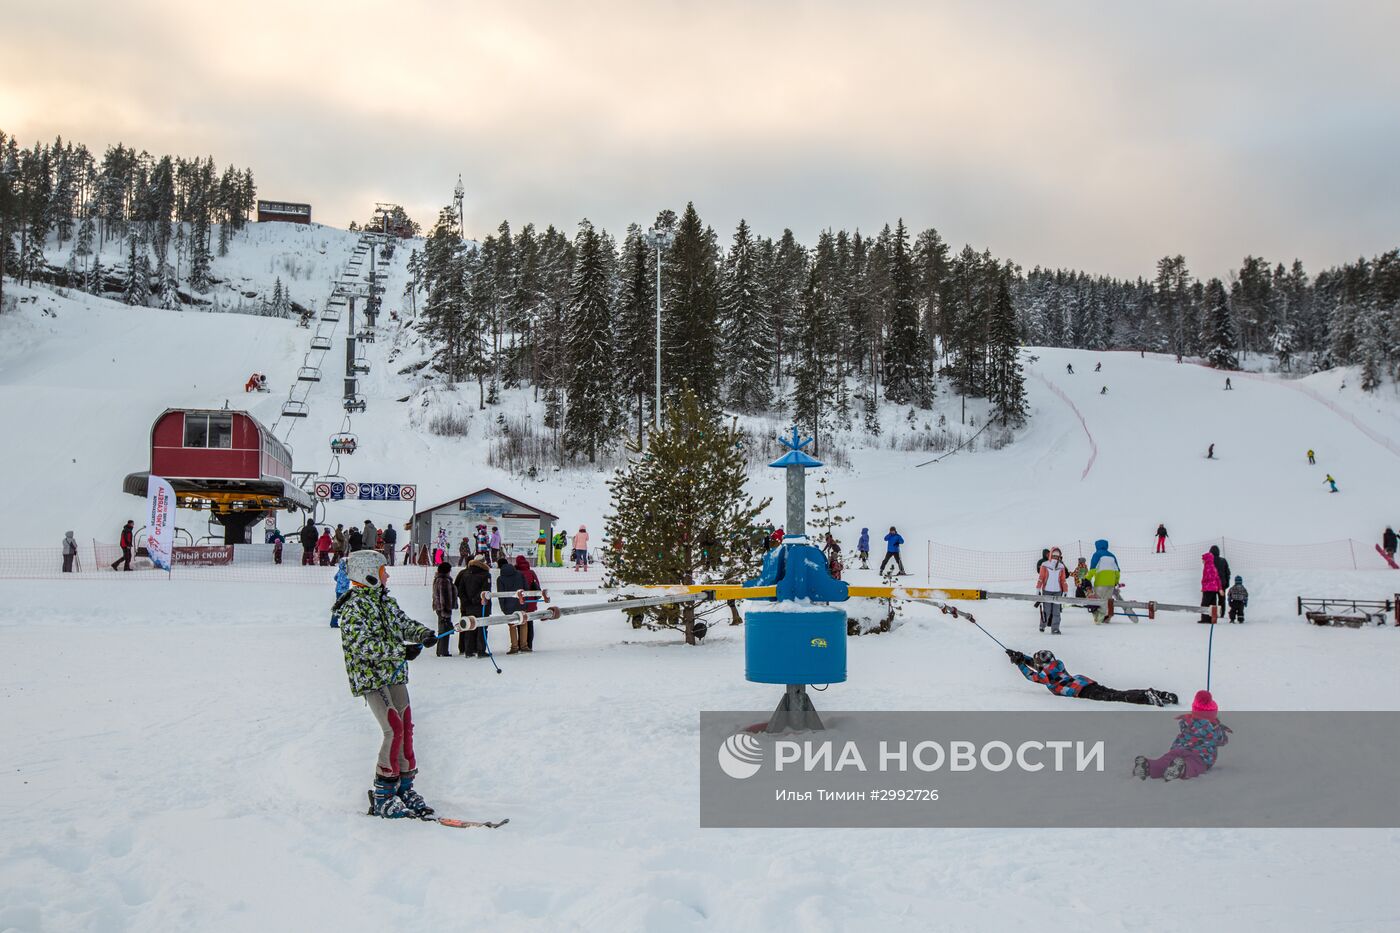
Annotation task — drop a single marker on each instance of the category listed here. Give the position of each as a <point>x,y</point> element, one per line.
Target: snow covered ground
<point>186,755</point>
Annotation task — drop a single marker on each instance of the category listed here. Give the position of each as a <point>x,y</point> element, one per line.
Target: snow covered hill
<point>81,381</point>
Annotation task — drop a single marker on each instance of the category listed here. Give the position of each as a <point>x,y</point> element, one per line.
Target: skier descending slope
<point>373,633</point>
<point>1046,669</point>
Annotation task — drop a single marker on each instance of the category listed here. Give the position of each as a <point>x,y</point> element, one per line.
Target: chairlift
<point>292,408</point>
<point>320,343</point>
<point>361,364</point>
<point>355,403</point>
<point>309,374</point>
<point>344,443</point>
<point>331,314</point>
<point>365,336</point>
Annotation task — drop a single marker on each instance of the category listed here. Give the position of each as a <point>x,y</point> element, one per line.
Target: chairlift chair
<point>361,364</point>
<point>365,336</point>
<point>320,343</point>
<point>309,374</point>
<point>292,408</point>
<point>355,403</point>
<point>344,443</point>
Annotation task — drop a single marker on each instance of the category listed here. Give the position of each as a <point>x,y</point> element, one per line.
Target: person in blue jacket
<point>863,548</point>
<point>1103,576</point>
<point>892,542</point>
<point>342,586</point>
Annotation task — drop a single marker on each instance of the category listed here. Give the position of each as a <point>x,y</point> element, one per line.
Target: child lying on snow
<point>1049,671</point>
<point>1194,750</point>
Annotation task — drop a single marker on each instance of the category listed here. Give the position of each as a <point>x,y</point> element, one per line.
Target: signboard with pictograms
<point>367,492</point>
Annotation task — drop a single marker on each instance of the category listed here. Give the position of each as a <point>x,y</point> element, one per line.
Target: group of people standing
<point>325,547</point>
<point>1097,578</point>
<point>1215,571</point>
<point>470,594</point>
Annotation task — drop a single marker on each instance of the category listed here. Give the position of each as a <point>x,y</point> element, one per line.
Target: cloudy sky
<point>1099,135</point>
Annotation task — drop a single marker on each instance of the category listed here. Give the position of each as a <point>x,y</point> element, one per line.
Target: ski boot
<point>383,800</point>
<point>1140,767</point>
<point>411,799</point>
<point>1174,770</point>
<point>1160,697</point>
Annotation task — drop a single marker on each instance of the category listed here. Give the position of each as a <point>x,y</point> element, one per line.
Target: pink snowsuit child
<point>1210,585</point>
<point>1195,748</point>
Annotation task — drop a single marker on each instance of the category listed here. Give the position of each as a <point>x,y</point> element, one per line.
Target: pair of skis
<point>1387,558</point>
<point>464,824</point>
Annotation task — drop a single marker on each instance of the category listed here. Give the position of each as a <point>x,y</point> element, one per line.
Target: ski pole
<point>487,645</point>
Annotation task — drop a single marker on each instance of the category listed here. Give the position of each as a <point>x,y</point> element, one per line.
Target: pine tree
<point>905,379</point>
<point>588,421</point>
<point>1219,337</point>
<point>137,290</point>
<point>690,317</point>
<point>1008,382</point>
<point>746,328</point>
<point>687,488</point>
<point>636,322</point>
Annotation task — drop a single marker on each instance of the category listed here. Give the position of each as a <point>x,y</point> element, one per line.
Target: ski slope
<point>187,755</point>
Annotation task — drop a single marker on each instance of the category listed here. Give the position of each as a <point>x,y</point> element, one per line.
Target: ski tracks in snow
<point>1093,445</point>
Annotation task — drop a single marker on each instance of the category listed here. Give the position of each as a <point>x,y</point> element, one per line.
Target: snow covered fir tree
<point>681,510</point>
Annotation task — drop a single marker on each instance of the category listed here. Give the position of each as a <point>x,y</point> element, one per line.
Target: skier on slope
<point>1103,576</point>
<point>863,548</point>
<point>378,639</point>
<point>1069,369</point>
<point>1312,458</point>
<point>1195,747</point>
<point>1161,539</point>
<point>1331,482</point>
<point>1045,669</point>
<point>892,542</point>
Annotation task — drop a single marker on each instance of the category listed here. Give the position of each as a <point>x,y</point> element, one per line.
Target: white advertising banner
<point>160,521</point>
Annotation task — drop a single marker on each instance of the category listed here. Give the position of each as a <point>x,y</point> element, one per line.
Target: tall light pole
<point>659,239</point>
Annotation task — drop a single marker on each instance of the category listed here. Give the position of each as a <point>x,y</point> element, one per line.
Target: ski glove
<point>1015,656</point>
<point>429,641</point>
<point>410,652</point>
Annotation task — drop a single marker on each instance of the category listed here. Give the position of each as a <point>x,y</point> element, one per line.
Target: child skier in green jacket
<point>379,640</point>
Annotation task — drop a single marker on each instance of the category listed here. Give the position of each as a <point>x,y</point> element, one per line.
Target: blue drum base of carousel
<point>795,644</point>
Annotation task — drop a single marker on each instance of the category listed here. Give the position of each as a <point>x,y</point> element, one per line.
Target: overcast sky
<point>1094,135</point>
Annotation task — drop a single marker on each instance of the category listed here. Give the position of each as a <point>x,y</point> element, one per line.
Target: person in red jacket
<point>530,603</point>
<point>128,539</point>
<point>323,547</point>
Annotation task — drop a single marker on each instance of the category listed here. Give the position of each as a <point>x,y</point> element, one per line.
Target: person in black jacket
<point>509,580</point>
<point>357,540</point>
<point>1161,539</point>
<point>474,580</point>
<point>308,536</point>
<point>391,538</point>
<point>1389,541</point>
